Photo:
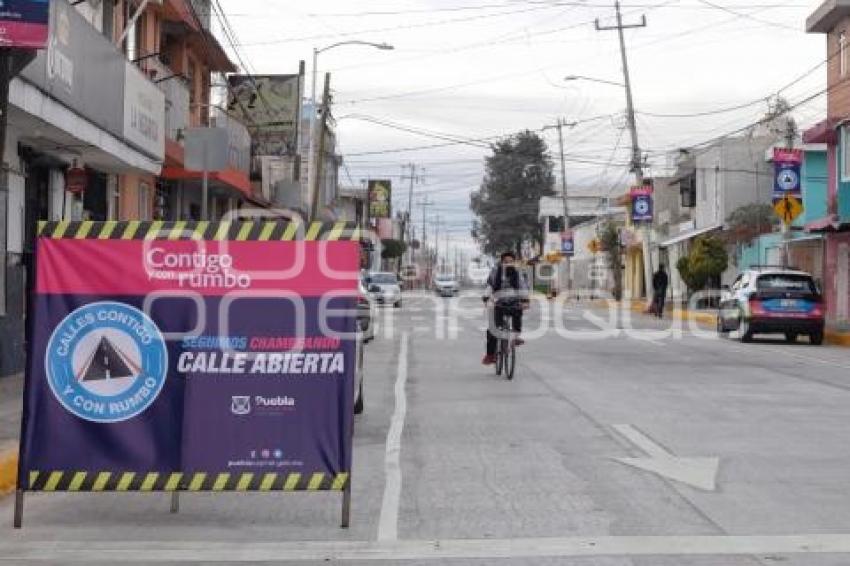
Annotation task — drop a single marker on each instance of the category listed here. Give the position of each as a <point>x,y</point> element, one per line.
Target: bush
<point>392,248</point>
<point>706,260</point>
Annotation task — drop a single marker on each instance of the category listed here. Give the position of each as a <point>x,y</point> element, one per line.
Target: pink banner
<point>308,268</point>
<point>26,35</point>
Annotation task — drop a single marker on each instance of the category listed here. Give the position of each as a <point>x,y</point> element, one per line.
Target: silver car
<point>384,288</point>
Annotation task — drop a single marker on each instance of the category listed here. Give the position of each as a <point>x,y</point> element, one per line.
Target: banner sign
<point>380,199</point>
<point>787,189</point>
<point>269,106</point>
<point>190,356</point>
<point>787,164</point>
<point>567,243</point>
<point>24,23</point>
<point>641,203</point>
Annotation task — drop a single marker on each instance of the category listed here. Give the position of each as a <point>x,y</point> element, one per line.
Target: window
<point>842,53</point>
<point>145,202</point>
<point>844,165</point>
<point>786,283</point>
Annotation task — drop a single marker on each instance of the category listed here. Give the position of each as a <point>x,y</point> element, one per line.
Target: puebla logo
<point>106,362</point>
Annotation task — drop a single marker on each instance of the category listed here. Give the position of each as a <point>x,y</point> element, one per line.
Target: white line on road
<point>388,522</point>
<point>700,473</point>
<point>156,551</point>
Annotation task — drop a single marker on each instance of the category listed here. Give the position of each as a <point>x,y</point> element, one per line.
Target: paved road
<point>569,464</point>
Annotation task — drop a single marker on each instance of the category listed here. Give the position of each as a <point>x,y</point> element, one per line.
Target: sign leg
<point>19,508</point>
<point>346,506</point>
<point>175,501</point>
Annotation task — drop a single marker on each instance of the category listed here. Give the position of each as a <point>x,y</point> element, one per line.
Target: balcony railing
<point>239,144</point>
<point>177,116</point>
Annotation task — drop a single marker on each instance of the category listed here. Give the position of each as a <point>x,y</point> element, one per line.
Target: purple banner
<point>210,388</point>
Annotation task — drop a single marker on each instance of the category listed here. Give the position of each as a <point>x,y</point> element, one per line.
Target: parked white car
<point>384,288</point>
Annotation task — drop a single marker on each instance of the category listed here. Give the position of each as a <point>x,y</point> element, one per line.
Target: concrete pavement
<point>532,471</point>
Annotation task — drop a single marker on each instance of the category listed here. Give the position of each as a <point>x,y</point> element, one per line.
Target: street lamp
<point>383,46</point>
<point>593,80</point>
<point>312,158</point>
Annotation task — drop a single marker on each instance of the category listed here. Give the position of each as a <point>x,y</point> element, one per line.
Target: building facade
<point>832,18</point>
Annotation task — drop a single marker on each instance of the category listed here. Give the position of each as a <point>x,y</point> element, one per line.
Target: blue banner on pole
<point>642,206</point>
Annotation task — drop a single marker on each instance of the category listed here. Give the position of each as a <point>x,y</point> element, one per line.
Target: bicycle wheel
<point>510,361</point>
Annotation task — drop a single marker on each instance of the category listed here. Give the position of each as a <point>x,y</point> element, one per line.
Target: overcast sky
<point>473,69</point>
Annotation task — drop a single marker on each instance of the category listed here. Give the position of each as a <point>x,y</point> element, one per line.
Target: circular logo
<point>106,362</point>
<point>642,206</point>
<point>787,179</point>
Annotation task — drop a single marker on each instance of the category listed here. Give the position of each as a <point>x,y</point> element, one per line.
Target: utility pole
<point>790,136</point>
<point>425,203</point>
<point>560,127</point>
<point>316,166</point>
<point>637,157</point>
<point>406,230</point>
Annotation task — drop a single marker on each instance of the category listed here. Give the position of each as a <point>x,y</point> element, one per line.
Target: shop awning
<point>53,128</point>
<point>688,236</point>
<point>822,132</point>
<point>231,178</point>
<point>828,224</point>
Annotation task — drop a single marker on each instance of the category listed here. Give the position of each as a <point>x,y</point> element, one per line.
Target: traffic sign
<point>788,208</point>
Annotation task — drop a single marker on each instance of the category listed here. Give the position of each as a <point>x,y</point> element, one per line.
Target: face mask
<point>510,271</point>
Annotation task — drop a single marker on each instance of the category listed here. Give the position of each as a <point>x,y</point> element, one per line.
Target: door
<point>842,285</point>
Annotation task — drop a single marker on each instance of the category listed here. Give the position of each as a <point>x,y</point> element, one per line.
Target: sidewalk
<point>11,394</point>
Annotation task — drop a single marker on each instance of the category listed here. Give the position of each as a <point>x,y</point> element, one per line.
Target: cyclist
<point>507,292</point>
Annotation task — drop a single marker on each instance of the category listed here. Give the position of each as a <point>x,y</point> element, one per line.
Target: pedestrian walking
<point>659,289</point>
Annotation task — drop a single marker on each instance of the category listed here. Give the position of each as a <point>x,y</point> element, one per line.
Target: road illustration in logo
<point>106,362</point>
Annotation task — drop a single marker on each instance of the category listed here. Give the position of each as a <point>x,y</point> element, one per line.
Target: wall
<point>838,101</point>
<point>746,177</point>
<point>814,183</point>
<point>764,250</point>
<point>832,266</point>
<point>129,202</point>
<point>708,186</point>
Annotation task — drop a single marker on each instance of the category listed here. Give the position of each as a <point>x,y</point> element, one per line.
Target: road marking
<point>388,521</point>
<point>700,473</point>
<point>171,551</point>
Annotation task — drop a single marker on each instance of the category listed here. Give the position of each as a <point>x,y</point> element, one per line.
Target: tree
<point>392,249</point>
<point>609,240</point>
<point>517,175</point>
<point>750,221</point>
<point>706,261</point>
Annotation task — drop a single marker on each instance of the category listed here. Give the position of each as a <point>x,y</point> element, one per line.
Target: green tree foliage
<point>749,221</point>
<point>516,175</point>
<point>392,249</point>
<point>706,261</point>
<point>609,239</point>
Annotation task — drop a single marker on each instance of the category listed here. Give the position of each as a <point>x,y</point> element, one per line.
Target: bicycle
<point>506,345</point>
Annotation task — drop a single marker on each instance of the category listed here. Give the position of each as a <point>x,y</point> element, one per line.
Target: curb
<point>8,469</point>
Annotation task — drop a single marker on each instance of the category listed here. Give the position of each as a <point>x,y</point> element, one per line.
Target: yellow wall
<point>128,201</point>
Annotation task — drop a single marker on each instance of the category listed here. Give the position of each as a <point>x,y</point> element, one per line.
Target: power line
<point>403,27</point>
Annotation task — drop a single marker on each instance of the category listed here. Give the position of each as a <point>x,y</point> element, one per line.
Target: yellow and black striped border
<point>242,230</point>
<point>179,481</point>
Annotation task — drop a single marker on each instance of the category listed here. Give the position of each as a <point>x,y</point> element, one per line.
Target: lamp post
<point>314,159</point>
